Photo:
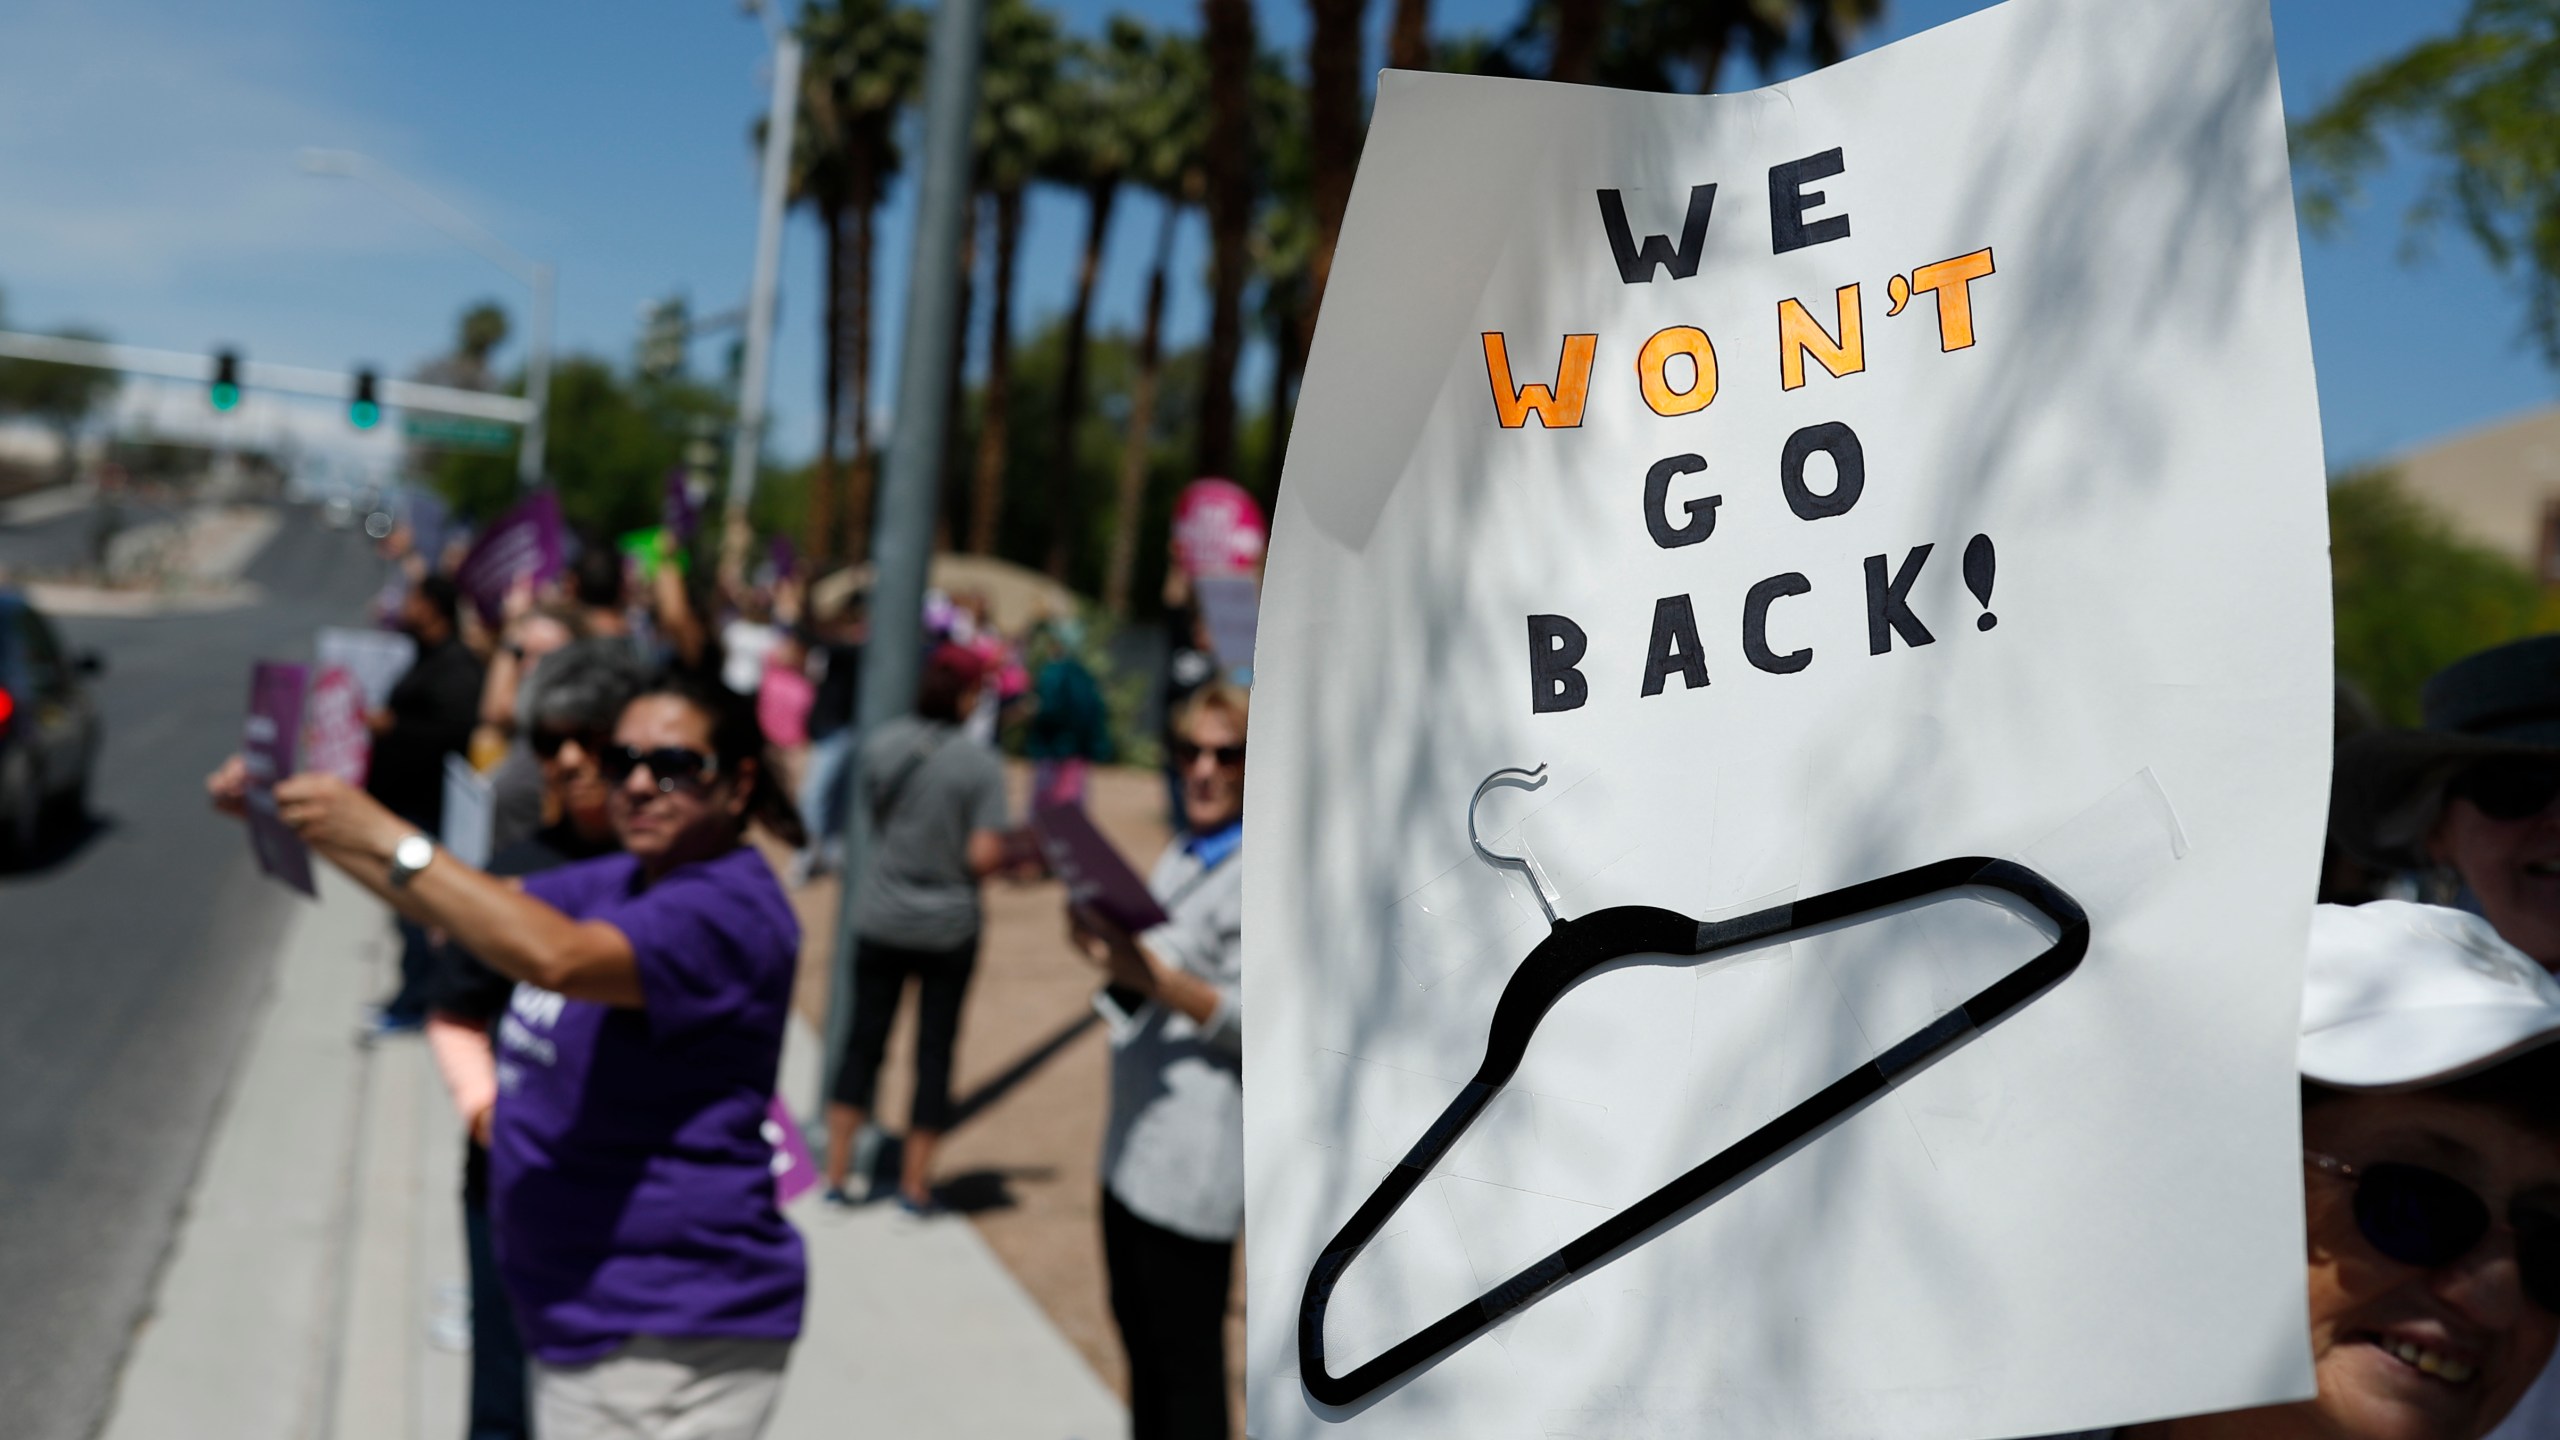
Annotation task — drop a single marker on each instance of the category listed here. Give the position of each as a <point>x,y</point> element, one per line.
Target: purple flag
<point>526,544</point>
<point>785,557</point>
<point>683,517</point>
<point>267,743</point>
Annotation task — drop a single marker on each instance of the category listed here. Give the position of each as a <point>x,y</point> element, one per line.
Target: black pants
<point>499,1408</point>
<point>417,965</point>
<point>1169,1295</point>
<point>879,977</point>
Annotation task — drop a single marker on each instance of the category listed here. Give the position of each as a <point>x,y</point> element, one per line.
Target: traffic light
<point>364,410</point>
<point>666,327</point>
<point>226,381</point>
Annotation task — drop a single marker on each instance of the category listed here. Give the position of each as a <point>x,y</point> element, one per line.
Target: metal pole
<point>902,538</point>
<point>537,383</point>
<point>781,120</point>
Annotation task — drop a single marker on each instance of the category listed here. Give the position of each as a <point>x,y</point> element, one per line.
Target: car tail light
<point>8,706</point>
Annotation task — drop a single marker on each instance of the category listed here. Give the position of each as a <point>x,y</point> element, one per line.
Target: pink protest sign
<point>334,738</point>
<point>794,1173</point>
<point>1218,528</point>
<point>526,544</point>
<point>268,741</point>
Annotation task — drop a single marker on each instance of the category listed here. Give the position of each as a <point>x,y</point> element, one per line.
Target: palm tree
<point>1675,45</point>
<point>1109,87</point>
<point>1409,36</point>
<point>1170,137</point>
<point>1284,247</point>
<point>1017,128</point>
<point>1227,33</point>
<point>1333,128</point>
<point>864,59</point>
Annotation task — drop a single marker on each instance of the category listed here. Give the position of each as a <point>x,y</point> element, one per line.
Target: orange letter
<point>1953,282</point>
<point>1556,409</point>
<point>1799,333</point>
<point>1656,356</point>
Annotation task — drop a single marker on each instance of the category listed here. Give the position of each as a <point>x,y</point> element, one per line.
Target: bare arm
<point>511,932</point>
<point>986,852</point>
<point>1133,963</point>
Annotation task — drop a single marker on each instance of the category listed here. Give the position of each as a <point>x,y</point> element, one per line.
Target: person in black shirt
<point>576,696</point>
<point>430,715</point>
<point>836,654</point>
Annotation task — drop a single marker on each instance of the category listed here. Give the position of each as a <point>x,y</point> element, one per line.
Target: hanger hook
<point>1517,779</point>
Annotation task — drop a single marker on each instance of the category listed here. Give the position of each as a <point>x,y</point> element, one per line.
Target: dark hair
<point>596,578</point>
<point>2525,1090</point>
<point>441,594</point>
<point>736,736</point>
<point>585,683</point>
<point>950,675</point>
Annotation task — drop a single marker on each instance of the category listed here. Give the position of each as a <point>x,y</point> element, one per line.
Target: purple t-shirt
<point>631,1188</point>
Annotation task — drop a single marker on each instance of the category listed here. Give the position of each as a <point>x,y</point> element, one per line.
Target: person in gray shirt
<point>935,801</point>
<point>1173,1157</point>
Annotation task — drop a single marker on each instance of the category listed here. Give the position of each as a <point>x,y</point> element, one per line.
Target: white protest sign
<point>376,658</point>
<point>470,812</point>
<point>1907,559</point>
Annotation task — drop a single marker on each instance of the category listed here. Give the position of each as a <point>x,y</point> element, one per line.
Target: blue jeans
<point>822,798</point>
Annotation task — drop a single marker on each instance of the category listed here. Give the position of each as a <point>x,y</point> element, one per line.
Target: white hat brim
<point>2414,1049</point>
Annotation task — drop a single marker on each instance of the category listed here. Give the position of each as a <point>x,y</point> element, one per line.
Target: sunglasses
<point>2428,1219</point>
<point>2510,789</point>
<point>1186,754</point>
<point>671,765</point>
<point>548,743</point>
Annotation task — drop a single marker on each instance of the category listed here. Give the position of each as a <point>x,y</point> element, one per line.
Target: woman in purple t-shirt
<point>631,1193</point>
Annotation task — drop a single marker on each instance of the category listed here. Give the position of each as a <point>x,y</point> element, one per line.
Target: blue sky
<point>148,188</point>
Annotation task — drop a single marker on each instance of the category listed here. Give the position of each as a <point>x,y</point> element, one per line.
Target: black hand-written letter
<point>1555,648</point>
<point>1888,603</point>
<point>1657,495</point>
<point>1788,200</point>
<point>1636,266</point>
<point>1755,624</point>
<point>1675,646</point>
<point>1848,458</point>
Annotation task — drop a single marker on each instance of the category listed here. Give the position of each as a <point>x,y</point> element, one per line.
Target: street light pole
<point>902,540</point>
<point>533,273</point>
<point>781,120</point>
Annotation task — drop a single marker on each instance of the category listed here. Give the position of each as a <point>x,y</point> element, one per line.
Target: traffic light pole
<point>902,538</point>
<point>263,375</point>
<point>782,121</point>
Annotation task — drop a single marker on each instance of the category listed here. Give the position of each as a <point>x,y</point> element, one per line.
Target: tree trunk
<point>947,477</point>
<point>1333,125</point>
<point>1130,513</point>
<point>988,509</point>
<point>1577,52</point>
<point>822,480</point>
<point>1289,327</point>
<point>1227,31</point>
<point>865,192</point>
<point>1065,521</point>
<point>1409,38</point>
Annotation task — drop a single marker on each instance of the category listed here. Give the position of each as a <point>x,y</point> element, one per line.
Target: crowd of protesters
<point>606,998</point>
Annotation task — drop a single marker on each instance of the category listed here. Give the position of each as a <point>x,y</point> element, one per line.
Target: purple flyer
<point>795,1172</point>
<point>1091,866</point>
<point>525,544</point>
<point>267,743</point>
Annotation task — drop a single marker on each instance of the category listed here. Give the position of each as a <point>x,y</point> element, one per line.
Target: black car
<point>49,730</point>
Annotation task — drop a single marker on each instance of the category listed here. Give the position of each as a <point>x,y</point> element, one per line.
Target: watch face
<point>413,853</point>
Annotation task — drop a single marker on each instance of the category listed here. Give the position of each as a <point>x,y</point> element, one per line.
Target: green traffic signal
<point>225,393</point>
<point>364,408</point>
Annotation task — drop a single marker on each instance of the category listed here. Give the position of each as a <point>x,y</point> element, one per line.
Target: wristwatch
<point>409,857</point>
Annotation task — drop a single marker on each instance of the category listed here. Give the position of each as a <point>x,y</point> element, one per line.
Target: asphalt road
<point>133,962</point>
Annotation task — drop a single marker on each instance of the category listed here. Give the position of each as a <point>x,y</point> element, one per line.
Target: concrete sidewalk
<point>316,1289</point>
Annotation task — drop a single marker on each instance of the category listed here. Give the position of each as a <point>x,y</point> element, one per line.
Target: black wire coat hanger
<point>1575,948</point>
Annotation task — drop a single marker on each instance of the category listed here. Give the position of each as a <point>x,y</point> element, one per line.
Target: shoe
<point>841,1198</point>
<point>924,1209</point>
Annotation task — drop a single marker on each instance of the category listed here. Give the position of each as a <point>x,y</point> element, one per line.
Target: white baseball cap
<point>2399,996</point>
